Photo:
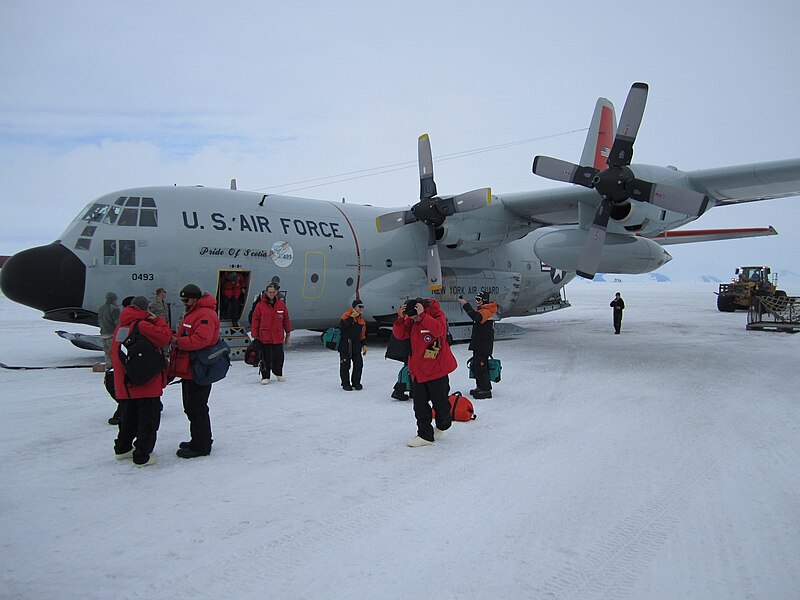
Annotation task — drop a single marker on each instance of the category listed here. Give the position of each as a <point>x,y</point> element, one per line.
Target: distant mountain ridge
<point>784,277</point>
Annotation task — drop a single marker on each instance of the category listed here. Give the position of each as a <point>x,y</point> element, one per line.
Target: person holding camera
<point>352,346</point>
<point>430,363</point>
<point>481,341</point>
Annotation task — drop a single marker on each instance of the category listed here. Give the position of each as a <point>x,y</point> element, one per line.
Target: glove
<point>287,341</point>
<point>364,350</point>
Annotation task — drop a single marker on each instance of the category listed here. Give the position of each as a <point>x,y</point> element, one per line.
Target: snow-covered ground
<point>662,463</point>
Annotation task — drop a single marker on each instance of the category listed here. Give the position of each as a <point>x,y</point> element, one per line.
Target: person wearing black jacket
<point>481,342</point>
<point>618,304</point>
<point>352,346</point>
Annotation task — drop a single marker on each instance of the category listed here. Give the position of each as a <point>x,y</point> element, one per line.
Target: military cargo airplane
<point>522,248</point>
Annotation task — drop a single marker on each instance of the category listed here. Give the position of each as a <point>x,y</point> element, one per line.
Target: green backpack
<point>331,338</point>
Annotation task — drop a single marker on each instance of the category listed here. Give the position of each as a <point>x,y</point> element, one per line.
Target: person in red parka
<point>139,405</point>
<point>198,329</point>
<point>233,289</point>
<point>272,327</point>
<point>430,363</point>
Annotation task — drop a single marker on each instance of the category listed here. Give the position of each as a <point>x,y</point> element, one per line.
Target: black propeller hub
<point>613,183</point>
<point>429,212</point>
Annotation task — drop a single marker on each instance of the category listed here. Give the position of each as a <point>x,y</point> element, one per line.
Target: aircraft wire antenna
<point>372,172</point>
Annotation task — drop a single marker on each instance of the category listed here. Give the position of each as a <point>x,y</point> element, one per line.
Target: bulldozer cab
<point>752,274</point>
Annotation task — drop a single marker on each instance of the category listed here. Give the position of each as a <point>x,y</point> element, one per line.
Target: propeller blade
<point>394,220</point>
<point>632,113</point>
<point>595,239</point>
<point>434,264</point>
<point>670,197</point>
<point>427,187</point>
<point>465,202</point>
<point>561,170</point>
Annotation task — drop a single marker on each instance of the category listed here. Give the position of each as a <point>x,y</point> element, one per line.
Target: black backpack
<point>140,358</point>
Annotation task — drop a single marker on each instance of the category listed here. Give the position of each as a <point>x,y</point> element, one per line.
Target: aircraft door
<point>232,292</point>
<point>314,275</point>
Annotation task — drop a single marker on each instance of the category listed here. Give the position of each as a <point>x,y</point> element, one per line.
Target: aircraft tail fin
<point>601,135</point>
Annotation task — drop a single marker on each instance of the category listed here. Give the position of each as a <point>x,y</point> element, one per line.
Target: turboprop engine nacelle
<point>621,253</point>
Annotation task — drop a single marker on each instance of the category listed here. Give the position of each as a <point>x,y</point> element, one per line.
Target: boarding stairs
<point>236,337</point>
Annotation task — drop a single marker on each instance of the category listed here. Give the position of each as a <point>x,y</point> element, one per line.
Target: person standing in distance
<point>158,304</point>
<point>108,319</point>
<point>139,405</point>
<point>618,304</point>
<point>352,346</point>
<point>272,327</point>
<point>481,341</point>
<point>198,329</point>
<point>430,363</point>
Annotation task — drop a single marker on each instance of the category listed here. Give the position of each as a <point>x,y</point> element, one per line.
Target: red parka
<point>198,329</point>
<point>423,334</point>
<point>271,321</point>
<point>158,333</point>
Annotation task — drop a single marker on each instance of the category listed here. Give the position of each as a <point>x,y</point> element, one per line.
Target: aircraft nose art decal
<point>281,254</point>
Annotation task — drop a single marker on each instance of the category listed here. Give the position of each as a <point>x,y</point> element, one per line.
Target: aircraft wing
<point>709,235</point>
<point>556,206</point>
<point>748,183</point>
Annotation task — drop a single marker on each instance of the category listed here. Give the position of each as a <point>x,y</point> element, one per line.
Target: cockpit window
<point>127,211</point>
<point>148,218</point>
<point>129,217</point>
<point>113,214</point>
<point>95,213</point>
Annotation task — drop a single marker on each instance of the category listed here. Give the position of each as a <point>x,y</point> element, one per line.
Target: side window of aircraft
<point>127,252</point>
<point>109,252</point>
<point>83,244</point>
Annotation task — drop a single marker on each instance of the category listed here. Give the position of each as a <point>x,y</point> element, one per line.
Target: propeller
<point>432,210</point>
<point>617,183</point>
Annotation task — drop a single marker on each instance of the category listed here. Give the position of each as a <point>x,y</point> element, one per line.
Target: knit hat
<point>111,297</point>
<point>191,291</point>
<point>139,302</point>
<point>126,301</point>
<point>357,302</point>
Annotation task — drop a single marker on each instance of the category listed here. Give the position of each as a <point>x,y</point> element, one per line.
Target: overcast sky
<point>97,96</point>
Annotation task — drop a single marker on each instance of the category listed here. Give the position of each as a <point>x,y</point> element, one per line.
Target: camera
<point>411,306</point>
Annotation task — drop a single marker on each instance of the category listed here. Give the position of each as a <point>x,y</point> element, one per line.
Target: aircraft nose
<point>48,278</point>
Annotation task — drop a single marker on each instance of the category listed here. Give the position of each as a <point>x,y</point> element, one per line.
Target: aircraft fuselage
<point>323,254</point>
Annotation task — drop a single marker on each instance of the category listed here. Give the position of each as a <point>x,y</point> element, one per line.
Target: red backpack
<point>461,408</point>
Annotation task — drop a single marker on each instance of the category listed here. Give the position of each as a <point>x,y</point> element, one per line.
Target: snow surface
<point>657,464</point>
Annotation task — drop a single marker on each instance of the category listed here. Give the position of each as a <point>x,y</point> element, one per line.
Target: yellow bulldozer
<point>749,282</point>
